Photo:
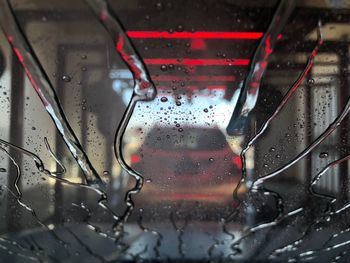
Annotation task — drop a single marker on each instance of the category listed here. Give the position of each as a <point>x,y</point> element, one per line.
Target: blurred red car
<point>189,163</point>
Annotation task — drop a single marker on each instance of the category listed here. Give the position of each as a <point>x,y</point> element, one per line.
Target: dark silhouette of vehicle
<point>189,163</point>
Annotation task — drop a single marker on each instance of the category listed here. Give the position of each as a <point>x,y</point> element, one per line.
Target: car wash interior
<point>174,131</point>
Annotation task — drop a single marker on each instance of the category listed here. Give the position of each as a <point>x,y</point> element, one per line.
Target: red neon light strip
<point>198,62</point>
<point>193,78</point>
<point>198,35</point>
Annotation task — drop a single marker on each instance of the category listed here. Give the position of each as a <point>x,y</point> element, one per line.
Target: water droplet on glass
<point>66,78</point>
<point>323,155</point>
<point>105,172</point>
<point>180,129</point>
<point>163,67</point>
<point>159,6</point>
<point>179,28</point>
<point>311,82</point>
<point>148,180</point>
<point>211,159</point>
<point>178,103</point>
<point>205,110</point>
<point>163,99</point>
<point>2,170</point>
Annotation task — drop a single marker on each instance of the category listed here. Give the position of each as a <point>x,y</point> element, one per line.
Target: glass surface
<point>241,156</point>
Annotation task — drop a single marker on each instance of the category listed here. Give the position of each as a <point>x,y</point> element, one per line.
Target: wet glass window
<point>174,131</point>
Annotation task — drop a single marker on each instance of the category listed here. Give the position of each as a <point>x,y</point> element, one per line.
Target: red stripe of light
<point>198,62</point>
<point>193,78</point>
<point>192,35</point>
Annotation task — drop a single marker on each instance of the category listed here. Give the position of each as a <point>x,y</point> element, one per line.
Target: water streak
<point>18,194</point>
<point>44,89</point>
<point>322,250</point>
<point>18,198</point>
<point>145,229</point>
<point>91,226</point>
<point>326,218</point>
<point>279,202</point>
<point>40,166</point>
<point>276,221</point>
<point>144,90</point>
<point>180,232</point>
<point>263,128</point>
<point>143,86</point>
<point>334,125</point>
<point>281,105</point>
<point>63,171</point>
<point>318,177</point>
<point>258,183</point>
<point>249,92</point>
<point>38,221</point>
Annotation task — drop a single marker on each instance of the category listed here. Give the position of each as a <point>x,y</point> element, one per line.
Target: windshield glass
<point>174,131</point>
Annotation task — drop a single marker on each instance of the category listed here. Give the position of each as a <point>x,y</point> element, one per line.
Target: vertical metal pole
<point>16,132</point>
